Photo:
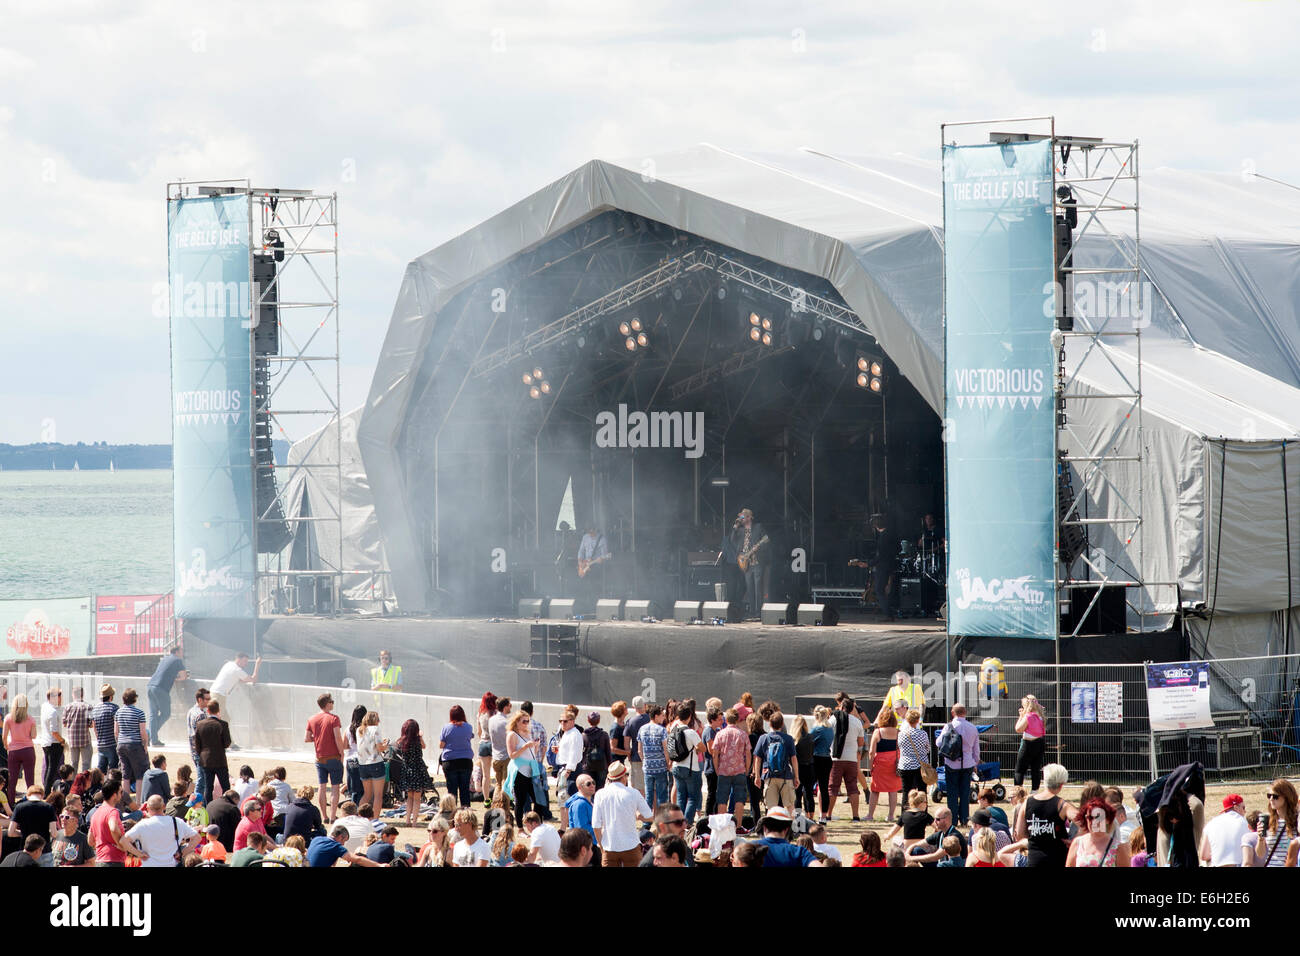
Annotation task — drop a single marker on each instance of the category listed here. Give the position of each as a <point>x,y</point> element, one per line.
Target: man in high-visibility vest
<point>387,676</point>
<point>904,689</point>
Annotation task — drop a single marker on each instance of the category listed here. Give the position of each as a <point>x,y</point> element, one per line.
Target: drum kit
<point>926,561</point>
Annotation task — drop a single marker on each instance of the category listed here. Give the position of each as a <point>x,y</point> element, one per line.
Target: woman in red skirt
<point>883,753</point>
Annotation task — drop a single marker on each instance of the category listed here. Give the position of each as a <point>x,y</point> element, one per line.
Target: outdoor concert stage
<point>463,658</point>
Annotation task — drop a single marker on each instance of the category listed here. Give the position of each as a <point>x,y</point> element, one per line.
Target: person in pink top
<point>19,737</point>
<point>1033,734</point>
<point>252,823</point>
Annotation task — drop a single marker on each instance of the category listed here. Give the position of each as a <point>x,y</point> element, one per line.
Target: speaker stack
<point>553,674</point>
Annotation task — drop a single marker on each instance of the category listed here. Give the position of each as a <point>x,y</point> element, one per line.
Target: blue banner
<point>999,414</point>
<point>212,524</point>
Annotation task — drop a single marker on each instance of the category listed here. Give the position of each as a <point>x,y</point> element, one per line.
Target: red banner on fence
<point>115,624</point>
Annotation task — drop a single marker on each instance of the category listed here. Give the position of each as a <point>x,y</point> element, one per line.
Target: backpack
<point>678,749</point>
<point>950,743</point>
<point>593,755</point>
<point>778,757</point>
<point>552,757</point>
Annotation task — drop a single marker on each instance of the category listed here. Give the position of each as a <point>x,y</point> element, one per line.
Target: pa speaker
<point>553,685</point>
<point>686,611</point>
<point>533,607</point>
<point>723,610</point>
<point>635,610</point>
<point>609,609</point>
<point>778,613</point>
<point>824,615</point>
<point>561,609</point>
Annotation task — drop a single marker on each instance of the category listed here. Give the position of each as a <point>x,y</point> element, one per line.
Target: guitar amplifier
<point>911,600</point>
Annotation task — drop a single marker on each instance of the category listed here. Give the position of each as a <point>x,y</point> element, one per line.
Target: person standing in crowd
<point>636,767</point>
<point>595,750</point>
<point>1098,843</point>
<point>159,692</point>
<point>906,691</point>
<point>1045,820</point>
<point>745,706</point>
<point>455,745</point>
<point>487,709</point>
<point>959,771</point>
<point>714,723</point>
<point>192,717</point>
<point>618,742</point>
<point>325,732</point>
<point>415,778</point>
<point>387,677</point>
<point>913,750</point>
<point>1033,735</point>
<point>370,760</point>
<point>804,745</point>
<point>523,755</point>
<point>652,743</point>
<point>578,808</point>
<point>776,769</point>
<point>882,757</point>
<point>106,835</point>
<point>498,727</point>
<point>541,797</point>
<point>76,721</point>
<point>848,742</point>
<point>50,739</point>
<point>356,792</point>
<point>20,743</point>
<point>132,740</point>
<point>104,719</point>
<point>614,819</point>
<point>684,748</point>
<point>1275,839</point>
<point>823,734</point>
<point>1221,838</point>
<point>211,741</point>
<point>232,673</point>
<point>731,763</point>
<point>568,755</point>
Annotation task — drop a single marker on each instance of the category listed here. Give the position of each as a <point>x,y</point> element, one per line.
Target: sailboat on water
<point>110,465</point>
<point>76,465</point>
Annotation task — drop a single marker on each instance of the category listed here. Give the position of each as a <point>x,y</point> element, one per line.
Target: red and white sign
<point>46,630</point>
<point>115,623</point>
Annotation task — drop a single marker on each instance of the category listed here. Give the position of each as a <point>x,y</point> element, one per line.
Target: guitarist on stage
<point>751,544</point>
<point>593,555</point>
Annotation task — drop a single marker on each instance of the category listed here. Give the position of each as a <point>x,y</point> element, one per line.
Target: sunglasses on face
<point>676,823</point>
<point>1271,796</point>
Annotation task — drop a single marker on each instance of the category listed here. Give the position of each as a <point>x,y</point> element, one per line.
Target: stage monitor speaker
<point>824,615</point>
<point>609,609</point>
<point>553,685</point>
<point>561,609</point>
<point>1108,616</point>
<point>634,610</point>
<point>721,610</point>
<point>911,596</point>
<point>533,607</point>
<point>778,613</point>
<point>686,611</point>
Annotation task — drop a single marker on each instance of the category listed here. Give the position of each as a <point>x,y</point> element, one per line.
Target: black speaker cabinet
<point>1108,616</point>
<point>554,685</point>
<point>779,613</point>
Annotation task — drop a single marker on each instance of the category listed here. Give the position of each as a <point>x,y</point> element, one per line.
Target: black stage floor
<point>464,657</point>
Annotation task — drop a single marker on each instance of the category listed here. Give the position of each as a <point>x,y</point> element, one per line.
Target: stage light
<point>630,343</point>
<point>537,373</point>
<point>871,372</point>
<point>528,379</point>
<point>818,332</point>
<point>636,325</point>
<point>767,338</point>
<point>876,370</point>
<point>876,385</point>
<point>721,291</point>
<point>624,329</point>
<point>535,392</point>
<point>642,340</point>
<point>863,364</point>
<point>755,333</point>
<point>582,341</point>
<point>678,292</point>
<point>767,325</point>
<point>754,319</point>
<point>546,388</point>
<point>864,380</point>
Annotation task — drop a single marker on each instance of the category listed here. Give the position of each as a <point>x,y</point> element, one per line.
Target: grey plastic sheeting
<point>462,657</point>
<point>1221,358</point>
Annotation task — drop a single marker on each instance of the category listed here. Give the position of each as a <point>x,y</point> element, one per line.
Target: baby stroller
<point>394,795</point>
<point>988,773</point>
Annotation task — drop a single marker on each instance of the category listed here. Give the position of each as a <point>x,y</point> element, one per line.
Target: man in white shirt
<point>688,773</point>
<point>231,674</point>
<point>844,751</point>
<point>357,826</point>
<point>161,835</point>
<point>543,840</point>
<point>470,850</point>
<point>1221,838</point>
<point>614,818</point>
<point>820,845</point>
<point>50,736</point>
<point>568,756</point>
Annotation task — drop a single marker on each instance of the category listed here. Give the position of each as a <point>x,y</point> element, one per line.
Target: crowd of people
<point>665,785</point>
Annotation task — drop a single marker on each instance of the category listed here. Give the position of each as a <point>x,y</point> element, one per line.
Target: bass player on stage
<point>593,553</point>
<point>750,541</point>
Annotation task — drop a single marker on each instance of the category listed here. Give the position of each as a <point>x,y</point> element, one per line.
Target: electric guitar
<point>585,566</point>
<point>746,557</point>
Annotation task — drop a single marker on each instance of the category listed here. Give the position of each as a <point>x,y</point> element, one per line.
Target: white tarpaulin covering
<point>1221,358</point>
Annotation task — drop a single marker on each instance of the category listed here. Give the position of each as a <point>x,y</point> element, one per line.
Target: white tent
<point>1221,358</point>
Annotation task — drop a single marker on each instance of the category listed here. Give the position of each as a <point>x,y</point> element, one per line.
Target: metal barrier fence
<point>1254,702</point>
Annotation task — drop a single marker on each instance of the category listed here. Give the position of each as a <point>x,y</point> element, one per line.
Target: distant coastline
<point>95,457</point>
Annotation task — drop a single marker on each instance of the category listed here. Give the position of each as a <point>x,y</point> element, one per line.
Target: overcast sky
<point>427,121</point>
